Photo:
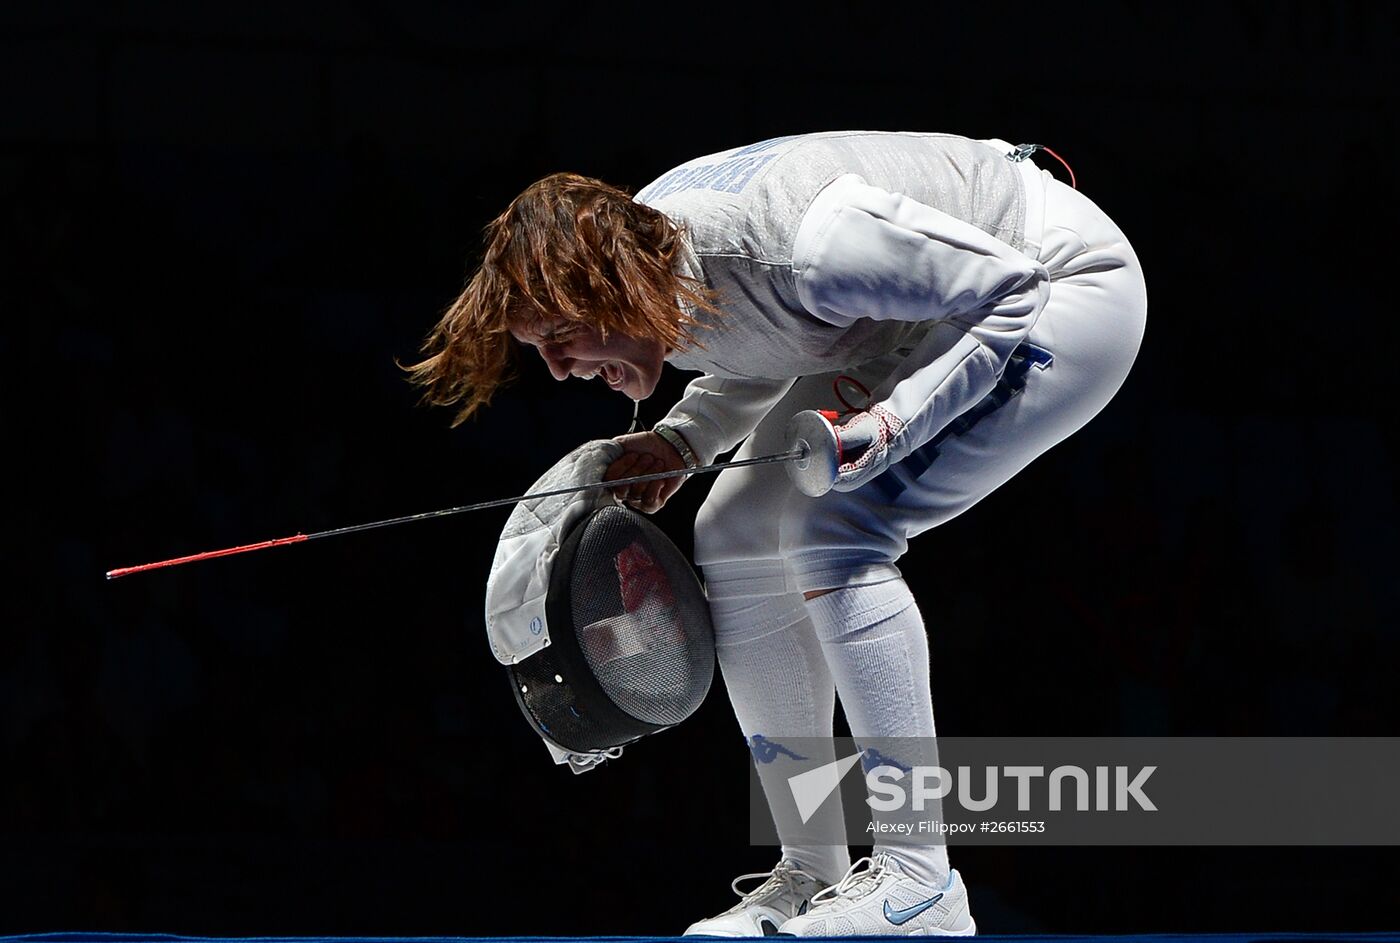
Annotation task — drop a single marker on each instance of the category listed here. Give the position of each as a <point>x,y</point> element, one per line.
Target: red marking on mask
<point>639,576</point>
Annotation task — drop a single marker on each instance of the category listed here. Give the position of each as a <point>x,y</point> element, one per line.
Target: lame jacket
<point>829,250</point>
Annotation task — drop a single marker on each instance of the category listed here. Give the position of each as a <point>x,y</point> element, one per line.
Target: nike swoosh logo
<point>898,917</point>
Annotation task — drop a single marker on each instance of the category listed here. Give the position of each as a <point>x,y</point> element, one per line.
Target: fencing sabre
<point>801,455</point>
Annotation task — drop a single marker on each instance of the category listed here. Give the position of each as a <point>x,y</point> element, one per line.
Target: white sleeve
<point>863,252</point>
<point>715,414</point>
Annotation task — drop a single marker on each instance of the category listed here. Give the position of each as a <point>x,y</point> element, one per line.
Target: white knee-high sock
<point>780,687</point>
<point>875,646</point>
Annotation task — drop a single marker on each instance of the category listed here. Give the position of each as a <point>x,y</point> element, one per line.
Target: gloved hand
<point>864,446</point>
<point>646,453</point>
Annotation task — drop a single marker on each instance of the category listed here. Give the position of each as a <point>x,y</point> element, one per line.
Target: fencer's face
<point>627,364</point>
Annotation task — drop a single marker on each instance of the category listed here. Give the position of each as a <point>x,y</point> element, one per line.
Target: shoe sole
<point>970,931</point>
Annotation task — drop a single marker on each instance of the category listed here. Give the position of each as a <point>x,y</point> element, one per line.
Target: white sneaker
<point>786,891</point>
<point>876,898</point>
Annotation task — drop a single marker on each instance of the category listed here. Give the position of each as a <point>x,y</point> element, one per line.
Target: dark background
<point>220,226</point>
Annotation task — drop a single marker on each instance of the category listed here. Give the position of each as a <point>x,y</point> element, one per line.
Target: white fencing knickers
<point>756,535</point>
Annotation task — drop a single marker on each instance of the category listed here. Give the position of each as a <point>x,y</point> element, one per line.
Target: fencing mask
<point>599,618</point>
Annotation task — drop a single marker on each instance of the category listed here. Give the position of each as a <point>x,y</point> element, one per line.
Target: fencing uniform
<point>991,308</point>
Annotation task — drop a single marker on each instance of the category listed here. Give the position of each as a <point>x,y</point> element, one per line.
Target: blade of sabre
<point>481,506</point>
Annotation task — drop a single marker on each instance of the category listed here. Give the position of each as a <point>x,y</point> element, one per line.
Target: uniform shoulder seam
<point>741,255</point>
<point>738,255</point>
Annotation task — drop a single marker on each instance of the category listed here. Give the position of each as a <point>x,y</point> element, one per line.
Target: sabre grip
<point>813,432</point>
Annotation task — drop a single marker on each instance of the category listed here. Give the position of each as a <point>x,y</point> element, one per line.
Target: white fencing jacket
<point>829,250</point>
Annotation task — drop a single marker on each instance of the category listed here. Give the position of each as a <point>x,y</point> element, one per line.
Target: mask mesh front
<point>632,648</point>
<point>641,618</point>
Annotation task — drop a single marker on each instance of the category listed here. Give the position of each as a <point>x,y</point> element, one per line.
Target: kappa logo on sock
<point>871,758</point>
<point>766,751</point>
<point>811,789</point>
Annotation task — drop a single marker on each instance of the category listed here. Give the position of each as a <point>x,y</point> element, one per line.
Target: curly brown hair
<point>568,247</point>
